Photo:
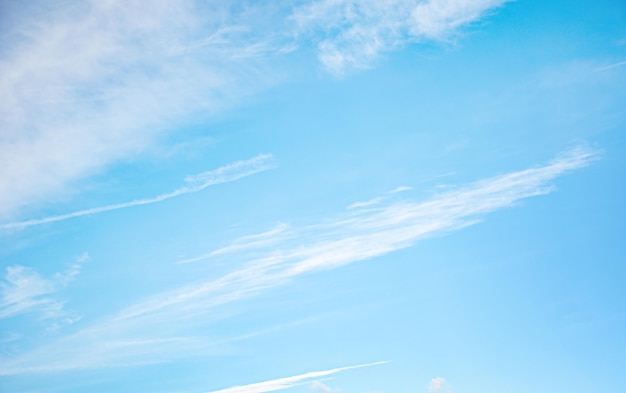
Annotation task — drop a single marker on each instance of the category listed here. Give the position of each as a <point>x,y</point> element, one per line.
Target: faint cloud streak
<point>195,183</point>
<point>611,66</point>
<point>260,240</point>
<point>288,382</point>
<point>23,290</point>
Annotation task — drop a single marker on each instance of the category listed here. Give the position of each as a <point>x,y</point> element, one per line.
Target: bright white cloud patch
<point>355,32</point>
<point>438,385</point>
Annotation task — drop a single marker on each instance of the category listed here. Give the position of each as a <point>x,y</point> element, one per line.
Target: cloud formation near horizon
<point>439,385</point>
<point>288,382</point>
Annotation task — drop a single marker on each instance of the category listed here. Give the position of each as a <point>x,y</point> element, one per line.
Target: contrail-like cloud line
<point>195,183</point>
<point>611,66</point>
<point>288,382</point>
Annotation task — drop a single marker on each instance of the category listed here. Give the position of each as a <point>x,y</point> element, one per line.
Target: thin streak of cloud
<point>371,202</point>
<point>288,382</point>
<point>348,239</point>
<point>611,66</point>
<point>259,240</point>
<point>195,183</point>
<point>400,189</point>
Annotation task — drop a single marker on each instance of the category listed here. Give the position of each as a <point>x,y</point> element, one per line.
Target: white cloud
<point>84,85</point>
<point>288,382</point>
<point>278,233</point>
<point>318,386</point>
<point>350,238</point>
<point>87,85</point>
<point>195,183</point>
<point>371,202</point>
<point>353,33</point>
<point>439,384</point>
<point>400,189</point>
<point>438,18</point>
<point>23,290</point>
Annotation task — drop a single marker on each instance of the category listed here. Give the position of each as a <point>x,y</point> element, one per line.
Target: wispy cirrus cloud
<point>194,183</point>
<point>288,382</point>
<point>259,240</point>
<point>371,202</point>
<point>611,66</point>
<point>24,290</point>
<point>353,33</point>
<point>400,189</point>
<point>85,85</point>
<point>347,239</point>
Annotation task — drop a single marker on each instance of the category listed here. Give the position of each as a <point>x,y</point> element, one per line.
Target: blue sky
<point>392,196</point>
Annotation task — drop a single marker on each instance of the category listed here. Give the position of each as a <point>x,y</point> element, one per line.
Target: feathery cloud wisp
<point>353,33</point>
<point>438,18</point>
<point>86,85</point>
<point>260,240</point>
<point>26,291</point>
<point>288,382</point>
<point>351,238</point>
<point>195,183</point>
<point>364,235</point>
<point>611,66</point>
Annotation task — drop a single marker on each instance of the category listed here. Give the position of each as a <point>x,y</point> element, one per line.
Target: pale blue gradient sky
<point>395,196</point>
